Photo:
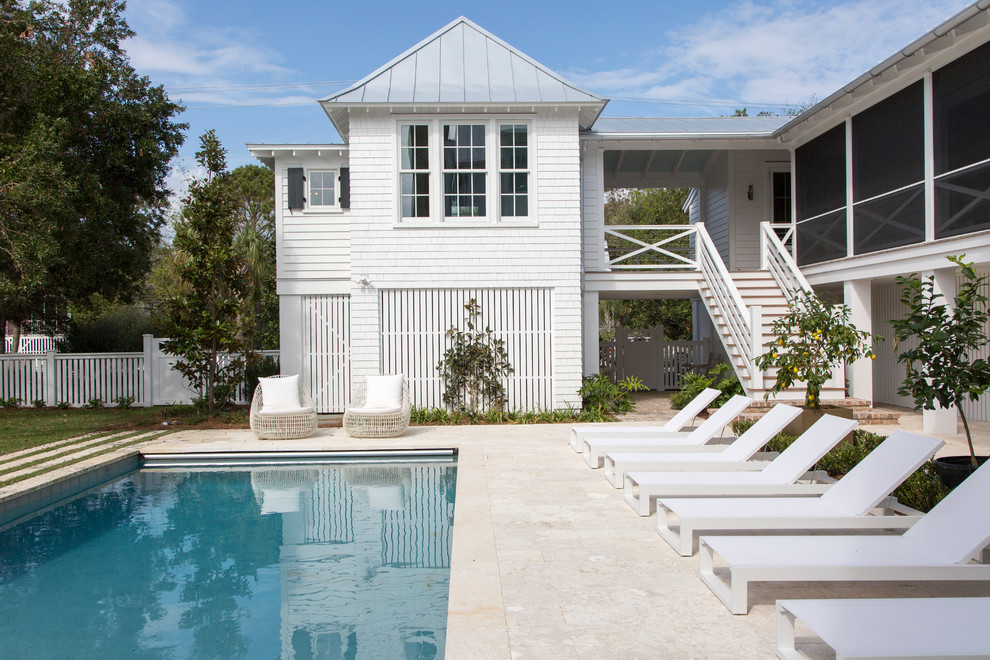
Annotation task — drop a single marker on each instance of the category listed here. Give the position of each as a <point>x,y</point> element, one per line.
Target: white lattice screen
<point>414,325</point>
<point>327,348</point>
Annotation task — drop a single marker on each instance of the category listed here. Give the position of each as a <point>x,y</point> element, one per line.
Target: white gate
<point>414,326</point>
<point>645,354</point>
<point>327,350</point>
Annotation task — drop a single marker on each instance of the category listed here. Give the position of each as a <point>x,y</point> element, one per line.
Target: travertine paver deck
<point>550,562</point>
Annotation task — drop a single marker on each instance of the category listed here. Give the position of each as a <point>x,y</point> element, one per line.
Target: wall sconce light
<point>749,194</point>
<point>363,281</point>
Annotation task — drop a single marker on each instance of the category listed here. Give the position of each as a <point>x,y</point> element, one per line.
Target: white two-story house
<point>470,171</point>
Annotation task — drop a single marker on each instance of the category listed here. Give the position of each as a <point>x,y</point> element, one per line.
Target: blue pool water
<point>317,561</point>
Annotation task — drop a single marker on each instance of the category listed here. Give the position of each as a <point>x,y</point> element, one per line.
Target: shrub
<point>62,405</point>
<point>95,403</point>
<point>112,329</point>
<point>12,402</point>
<point>38,403</point>
<point>266,366</point>
<point>601,398</point>
<point>474,366</point>
<point>124,402</point>
<point>719,377</point>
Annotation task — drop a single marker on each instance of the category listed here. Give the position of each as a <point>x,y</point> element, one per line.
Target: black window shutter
<point>345,187</point>
<point>296,188</point>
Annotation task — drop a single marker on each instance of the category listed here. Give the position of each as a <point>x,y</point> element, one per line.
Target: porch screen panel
<point>888,171</point>
<point>414,327</point>
<point>820,187</point>
<point>961,105</point>
<point>326,339</point>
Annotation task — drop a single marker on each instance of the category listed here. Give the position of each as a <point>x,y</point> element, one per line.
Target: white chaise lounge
<point>776,479</point>
<point>594,449</point>
<point>676,423</point>
<point>845,506</point>
<point>732,457</point>
<point>888,627</point>
<point>938,547</point>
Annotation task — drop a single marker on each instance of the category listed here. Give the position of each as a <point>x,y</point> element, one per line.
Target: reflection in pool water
<point>337,561</point>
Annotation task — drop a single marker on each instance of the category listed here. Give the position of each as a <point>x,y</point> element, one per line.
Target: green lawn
<point>22,428</point>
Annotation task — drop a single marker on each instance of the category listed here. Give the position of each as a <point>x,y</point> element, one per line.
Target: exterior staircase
<point>760,291</point>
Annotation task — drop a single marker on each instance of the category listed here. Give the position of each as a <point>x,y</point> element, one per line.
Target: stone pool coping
<point>548,561</point>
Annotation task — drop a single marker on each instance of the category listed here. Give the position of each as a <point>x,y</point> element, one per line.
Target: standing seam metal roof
<point>463,63</point>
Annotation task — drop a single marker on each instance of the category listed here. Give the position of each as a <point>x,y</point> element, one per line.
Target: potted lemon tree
<point>810,341</point>
<point>941,367</point>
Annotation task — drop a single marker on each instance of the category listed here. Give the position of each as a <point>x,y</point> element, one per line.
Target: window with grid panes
<point>414,170</point>
<point>513,170</point>
<point>464,171</point>
<point>322,185</point>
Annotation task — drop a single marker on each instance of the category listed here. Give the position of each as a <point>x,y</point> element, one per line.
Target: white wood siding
<point>414,327</point>
<point>546,254</point>
<point>311,244</point>
<point>326,350</point>
<point>749,168</point>
<point>593,196</point>
<point>717,204</point>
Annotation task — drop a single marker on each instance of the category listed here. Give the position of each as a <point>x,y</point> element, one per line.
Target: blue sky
<point>253,69</point>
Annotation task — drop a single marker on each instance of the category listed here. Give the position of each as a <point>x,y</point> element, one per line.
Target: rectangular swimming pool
<point>347,560</point>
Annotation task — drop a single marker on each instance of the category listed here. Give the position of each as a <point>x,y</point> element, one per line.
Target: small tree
<point>812,338</point>
<point>474,365</point>
<point>206,323</point>
<point>941,368</point>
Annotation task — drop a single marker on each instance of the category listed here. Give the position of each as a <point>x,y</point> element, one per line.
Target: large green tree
<point>253,189</point>
<point>208,328</point>
<point>648,206</point>
<point>85,145</point>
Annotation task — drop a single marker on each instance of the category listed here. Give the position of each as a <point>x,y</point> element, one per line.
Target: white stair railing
<point>776,258</point>
<point>727,300</point>
<point>779,261</point>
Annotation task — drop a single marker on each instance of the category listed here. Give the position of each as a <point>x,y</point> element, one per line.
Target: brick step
<point>861,411</point>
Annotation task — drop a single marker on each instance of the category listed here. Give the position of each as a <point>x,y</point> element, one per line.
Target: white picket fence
<point>33,344</point>
<point>78,378</point>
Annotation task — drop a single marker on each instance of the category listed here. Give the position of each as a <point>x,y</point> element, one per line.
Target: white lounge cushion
<point>384,392</point>
<point>280,395</point>
<point>365,410</point>
<point>285,411</point>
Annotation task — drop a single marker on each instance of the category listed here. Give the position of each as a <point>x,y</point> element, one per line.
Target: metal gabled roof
<point>462,64</point>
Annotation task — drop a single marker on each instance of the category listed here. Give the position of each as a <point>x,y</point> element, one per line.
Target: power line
<point>248,86</point>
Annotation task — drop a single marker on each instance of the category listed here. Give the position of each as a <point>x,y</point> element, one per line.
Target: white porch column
<point>942,420</point>
<point>290,324</point>
<point>589,333</point>
<point>858,296</point>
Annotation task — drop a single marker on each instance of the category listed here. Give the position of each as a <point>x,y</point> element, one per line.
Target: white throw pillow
<point>280,394</point>
<point>384,392</point>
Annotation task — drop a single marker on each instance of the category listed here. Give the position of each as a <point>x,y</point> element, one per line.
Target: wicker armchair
<point>371,423</point>
<point>287,425</point>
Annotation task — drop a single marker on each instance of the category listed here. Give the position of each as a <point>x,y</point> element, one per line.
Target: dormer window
<point>460,155</point>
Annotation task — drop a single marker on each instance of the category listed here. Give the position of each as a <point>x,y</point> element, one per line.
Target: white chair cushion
<point>283,411</point>
<point>372,411</point>
<point>280,394</point>
<point>384,392</point>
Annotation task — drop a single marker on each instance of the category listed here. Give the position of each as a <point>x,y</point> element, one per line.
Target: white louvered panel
<point>979,410</point>
<point>415,323</point>
<point>888,373</point>
<point>327,347</point>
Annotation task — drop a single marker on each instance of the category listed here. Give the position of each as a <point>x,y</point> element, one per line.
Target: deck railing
<point>651,247</point>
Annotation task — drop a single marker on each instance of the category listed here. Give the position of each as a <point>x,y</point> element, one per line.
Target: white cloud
<point>774,51</point>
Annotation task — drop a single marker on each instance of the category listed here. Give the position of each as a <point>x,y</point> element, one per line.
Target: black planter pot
<point>953,470</point>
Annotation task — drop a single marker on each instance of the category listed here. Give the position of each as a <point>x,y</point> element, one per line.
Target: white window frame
<point>309,189</point>
<point>493,172</point>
